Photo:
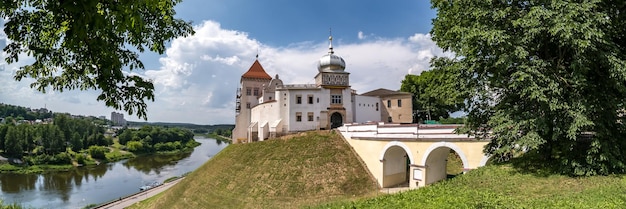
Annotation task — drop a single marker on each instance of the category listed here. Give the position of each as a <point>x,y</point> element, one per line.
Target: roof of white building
<point>256,71</point>
<point>384,92</point>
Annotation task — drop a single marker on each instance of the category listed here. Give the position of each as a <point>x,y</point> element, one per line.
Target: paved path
<point>128,201</point>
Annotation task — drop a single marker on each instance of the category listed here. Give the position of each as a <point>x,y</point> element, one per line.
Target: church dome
<point>331,62</point>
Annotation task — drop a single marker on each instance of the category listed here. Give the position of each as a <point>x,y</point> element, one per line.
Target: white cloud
<point>198,75</point>
<point>360,35</point>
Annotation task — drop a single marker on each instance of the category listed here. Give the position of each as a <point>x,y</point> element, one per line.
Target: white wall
<point>365,109</point>
<point>265,114</point>
<point>289,108</point>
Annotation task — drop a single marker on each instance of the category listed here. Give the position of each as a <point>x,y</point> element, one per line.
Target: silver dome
<point>331,62</point>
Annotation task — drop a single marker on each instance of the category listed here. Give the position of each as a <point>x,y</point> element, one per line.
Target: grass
<point>505,186</point>
<point>311,168</point>
<point>8,168</point>
<point>319,171</point>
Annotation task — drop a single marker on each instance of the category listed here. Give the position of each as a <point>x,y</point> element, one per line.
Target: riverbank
<point>220,138</point>
<point>124,202</point>
<point>92,185</point>
<point>115,154</point>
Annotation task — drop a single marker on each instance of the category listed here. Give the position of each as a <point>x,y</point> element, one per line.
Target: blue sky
<point>195,80</point>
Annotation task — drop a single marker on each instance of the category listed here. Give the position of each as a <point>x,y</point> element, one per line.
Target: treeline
<point>48,143</point>
<point>197,129</point>
<point>150,139</point>
<point>23,113</point>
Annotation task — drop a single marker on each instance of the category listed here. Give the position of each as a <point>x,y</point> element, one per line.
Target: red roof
<point>256,71</point>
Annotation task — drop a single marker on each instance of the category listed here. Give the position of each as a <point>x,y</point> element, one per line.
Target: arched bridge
<point>412,155</point>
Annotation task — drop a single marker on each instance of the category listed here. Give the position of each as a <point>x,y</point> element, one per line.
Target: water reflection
<point>15,183</point>
<point>156,163</point>
<point>79,187</point>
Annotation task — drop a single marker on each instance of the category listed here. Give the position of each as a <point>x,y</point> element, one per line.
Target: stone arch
<point>396,158</point>
<point>484,160</point>
<point>400,144</point>
<point>450,145</point>
<point>435,167</point>
<point>336,120</point>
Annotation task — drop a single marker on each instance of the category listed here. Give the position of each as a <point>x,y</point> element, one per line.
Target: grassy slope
<point>506,186</point>
<point>307,169</point>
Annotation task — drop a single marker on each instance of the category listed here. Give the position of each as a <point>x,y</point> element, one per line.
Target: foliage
<point>51,139</point>
<point>98,152</point>
<point>435,93</point>
<point>452,120</point>
<point>7,110</point>
<point>90,45</point>
<point>541,75</point>
<point>156,139</point>
<point>9,206</point>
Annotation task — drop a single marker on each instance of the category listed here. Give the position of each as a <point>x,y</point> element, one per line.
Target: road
<point>128,201</point>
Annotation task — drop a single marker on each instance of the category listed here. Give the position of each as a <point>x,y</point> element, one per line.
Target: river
<point>83,186</point>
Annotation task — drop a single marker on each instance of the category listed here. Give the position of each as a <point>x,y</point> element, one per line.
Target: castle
<point>267,108</point>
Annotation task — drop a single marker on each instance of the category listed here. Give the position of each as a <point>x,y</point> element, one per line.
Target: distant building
<point>267,108</point>
<point>118,119</point>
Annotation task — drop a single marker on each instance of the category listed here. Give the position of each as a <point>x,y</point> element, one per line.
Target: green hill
<point>304,169</point>
<point>506,186</point>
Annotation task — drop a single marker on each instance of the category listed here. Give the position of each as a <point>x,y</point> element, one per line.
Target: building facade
<point>118,119</point>
<point>267,108</point>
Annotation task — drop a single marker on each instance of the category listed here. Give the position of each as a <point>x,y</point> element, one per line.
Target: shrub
<point>98,152</point>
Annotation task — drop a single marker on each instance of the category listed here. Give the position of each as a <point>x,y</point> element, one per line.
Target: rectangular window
<point>335,99</point>
<point>399,103</point>
<point>388,103</point>
<point>248,105</point>
<point>298,116</point>
<point>256,91</point>
<point>310,116</point>
<point>389,119</point>
<point>248,91</point>
<point>310,99</point>
<point>298,99</point>
<point>376,106</point>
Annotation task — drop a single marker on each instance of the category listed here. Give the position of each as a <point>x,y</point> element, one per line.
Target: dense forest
<point>45,143</point>
<point>41,137</point>
<point>23,113</point>
<point>150,139</point>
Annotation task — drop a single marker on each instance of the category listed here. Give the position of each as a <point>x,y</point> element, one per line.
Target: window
<point>318,100</point>
<point>248,91</point>
<point>298,99</point>
<point>310,99</point>
<point>248,105</point>
<point>399,103</point>
<point>310,116</point>
<point>335,99</point>
<point>389,119</point>
<point>376,106</point>
<point>256,91</point>
<point>298,116</point>
<point>270,98</point>
<point>388,103</point>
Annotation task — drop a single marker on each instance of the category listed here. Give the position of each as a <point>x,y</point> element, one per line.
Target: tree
<point>436,93</point>
<point>12,143</point>
<point>543,76</point>
<point>90,45</point>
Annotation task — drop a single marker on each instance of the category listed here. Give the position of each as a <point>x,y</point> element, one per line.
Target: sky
<point>197,77</point>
